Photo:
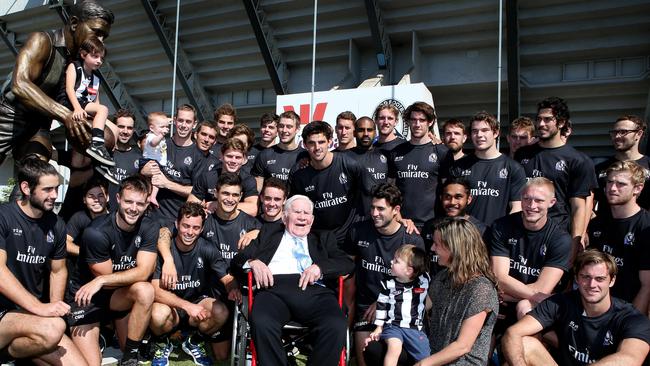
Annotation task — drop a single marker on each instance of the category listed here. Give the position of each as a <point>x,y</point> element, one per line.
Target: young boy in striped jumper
<point>401,304</point>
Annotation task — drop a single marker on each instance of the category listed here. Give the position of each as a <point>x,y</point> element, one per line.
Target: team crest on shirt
<point>512,241</point>
<point>363,243</point>
<point>17,232</point>
<point>524,161</point>
<point>309,188</point>
<point>542,250</point>
<point>433,158</point>
<point>49,237</point>
<point>382,158</point>
<point>609,339</point>
<point>399,158</point>
<point>242,233</point>
<point>209,234</point>
<point>629,239</point>
<point>199,262</point>
<point>188,160</point>
<point>537,173</point>
<point>597,234</point>
<point>210,167</point>
<point>466,172</point>
<point>573,326</point>
<point>135,164</point>
<point>270,162</point>
<point>503,173</point>
<point>343,178</point>
<point>137,241</point>
<point>561,166</point>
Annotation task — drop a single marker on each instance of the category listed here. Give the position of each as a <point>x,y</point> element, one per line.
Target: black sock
<point>131,349</point>
<point>96,132</point>
<point>97,136</point>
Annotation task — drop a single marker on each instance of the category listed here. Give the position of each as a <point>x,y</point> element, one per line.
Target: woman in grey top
<point>464,297</point>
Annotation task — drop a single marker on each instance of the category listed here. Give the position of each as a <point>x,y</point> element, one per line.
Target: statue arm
<point>29,65</point>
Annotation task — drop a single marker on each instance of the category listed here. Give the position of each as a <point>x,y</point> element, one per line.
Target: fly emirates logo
<point>30,257</point>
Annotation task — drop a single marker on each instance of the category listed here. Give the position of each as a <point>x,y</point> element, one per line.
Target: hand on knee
<point>523,308</point>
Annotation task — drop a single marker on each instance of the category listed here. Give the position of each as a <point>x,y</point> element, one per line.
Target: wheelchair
<point>294,335</point>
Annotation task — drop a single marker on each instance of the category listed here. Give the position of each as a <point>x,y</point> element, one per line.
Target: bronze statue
<point>27,100</point>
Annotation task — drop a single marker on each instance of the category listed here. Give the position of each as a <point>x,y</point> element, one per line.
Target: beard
<point>40,205</point>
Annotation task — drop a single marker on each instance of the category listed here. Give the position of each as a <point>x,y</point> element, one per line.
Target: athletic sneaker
<point>197,351</point>
<point>161,353</point>
<point>99,153</point>
<point>107,173</point>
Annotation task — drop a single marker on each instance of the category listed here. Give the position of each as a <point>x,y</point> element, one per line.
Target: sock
<point>98,136</point>
<point>131,349</point>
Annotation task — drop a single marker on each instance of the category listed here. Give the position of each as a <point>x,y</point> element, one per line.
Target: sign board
<point>360,101</point>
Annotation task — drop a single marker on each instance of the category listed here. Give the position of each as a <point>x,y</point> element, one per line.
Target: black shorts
<point>3,312</point>
<point>97,311</point>
<point>361,325</point>
<point>18,125</point>
<point>184,318</point>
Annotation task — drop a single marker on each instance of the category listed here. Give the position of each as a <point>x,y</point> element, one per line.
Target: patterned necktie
<point>299,252</point>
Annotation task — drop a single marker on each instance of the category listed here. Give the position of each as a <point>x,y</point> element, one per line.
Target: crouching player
<point>189,302</point>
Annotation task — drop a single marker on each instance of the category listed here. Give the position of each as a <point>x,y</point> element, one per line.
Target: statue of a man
<point>28,100</point>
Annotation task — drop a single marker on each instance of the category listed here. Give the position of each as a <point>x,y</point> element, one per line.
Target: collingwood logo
<point>609,339</point>
<point>30,257</point>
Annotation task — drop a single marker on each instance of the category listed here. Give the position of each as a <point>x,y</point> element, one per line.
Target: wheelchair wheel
<point>240,352</point>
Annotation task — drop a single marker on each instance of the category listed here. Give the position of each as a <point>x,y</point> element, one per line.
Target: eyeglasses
<point>621,133</point>
<point>545,119</point>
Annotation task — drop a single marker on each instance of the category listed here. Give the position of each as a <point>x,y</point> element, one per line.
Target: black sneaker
<point>99,153</point>
<point>107,173</point>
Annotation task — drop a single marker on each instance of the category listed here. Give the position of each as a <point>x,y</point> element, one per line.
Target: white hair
<point>292,199</point>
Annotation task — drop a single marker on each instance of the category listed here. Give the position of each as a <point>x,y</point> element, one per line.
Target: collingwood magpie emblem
<point>343,178</point>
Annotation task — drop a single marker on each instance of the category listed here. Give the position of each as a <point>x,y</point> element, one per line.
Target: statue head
<point>88,19</point>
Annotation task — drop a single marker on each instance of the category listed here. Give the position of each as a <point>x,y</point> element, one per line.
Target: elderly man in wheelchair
<point>293,269</point>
